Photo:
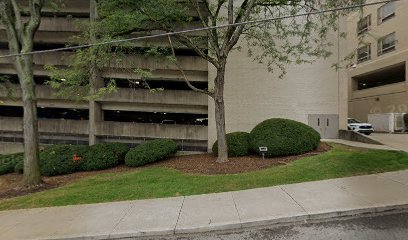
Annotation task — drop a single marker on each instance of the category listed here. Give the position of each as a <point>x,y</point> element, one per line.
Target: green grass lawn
<point>155,182</point>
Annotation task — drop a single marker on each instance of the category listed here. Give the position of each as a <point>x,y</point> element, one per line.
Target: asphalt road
<point>386,227</point>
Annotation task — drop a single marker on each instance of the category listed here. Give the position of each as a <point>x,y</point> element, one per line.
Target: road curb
<point>328,216</point>
<point>275,222</point>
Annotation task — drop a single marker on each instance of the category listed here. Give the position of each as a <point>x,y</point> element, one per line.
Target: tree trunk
<point>220,115</point>
<point>95,79</point>
<point>32,176</point>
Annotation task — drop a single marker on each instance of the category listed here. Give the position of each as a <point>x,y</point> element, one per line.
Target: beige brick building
<point>253,94</point>
<point>380,42</point>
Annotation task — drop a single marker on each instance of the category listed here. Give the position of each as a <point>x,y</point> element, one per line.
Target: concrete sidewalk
<point>397,141</point>
<point>360,144</point>
<point>257,207</point>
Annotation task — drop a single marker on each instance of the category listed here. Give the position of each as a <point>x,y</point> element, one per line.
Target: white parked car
<point>358,126</point>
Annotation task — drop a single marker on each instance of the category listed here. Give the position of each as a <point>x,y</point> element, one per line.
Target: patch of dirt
<point>205,164</point>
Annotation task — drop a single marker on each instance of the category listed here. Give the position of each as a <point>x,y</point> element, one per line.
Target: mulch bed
<point>204,164</point>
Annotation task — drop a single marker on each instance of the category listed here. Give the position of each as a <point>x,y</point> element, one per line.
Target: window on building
<point>156,117</point>
<point>153,84</point>
<point>13,78</point>
<point>147,51</point>
<point>38,46</point>
<point>386,44</point>
<point>391,75</point>
<point>62,113</point>
<point>387,11</point>
<point>363,25</point>
<point>62,12</point>
<point>3,45</point>
<point>364,53</point>
<point>11,111</point>
<point>47,113</point>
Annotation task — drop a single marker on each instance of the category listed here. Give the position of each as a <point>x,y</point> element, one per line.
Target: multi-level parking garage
<point>132,114</point>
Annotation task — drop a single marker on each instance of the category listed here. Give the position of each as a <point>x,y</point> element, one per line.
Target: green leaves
<point>6,85</point>
<point>119,17</point>
<point>302,39</point>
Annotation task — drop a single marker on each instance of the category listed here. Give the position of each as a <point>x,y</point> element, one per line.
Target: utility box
<point>387,122</point>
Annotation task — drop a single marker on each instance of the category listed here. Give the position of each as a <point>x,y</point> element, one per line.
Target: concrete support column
<point>343,79</point>
<point>95,112</point>
<point>406,74</point>
<point>95,116</point>
<point>93,10</point>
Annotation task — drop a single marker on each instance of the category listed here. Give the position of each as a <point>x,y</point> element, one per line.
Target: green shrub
<point>8,162</point>
<point>150,151</point>
<point>59,159</point>
<point>19,168</point>
<point>99,157</point>
<point>283,137</point>
<point>119,149</point>
<point>238,144</point>
<point>6,168</point>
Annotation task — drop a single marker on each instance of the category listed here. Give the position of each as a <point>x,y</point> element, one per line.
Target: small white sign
<point>263,149</point>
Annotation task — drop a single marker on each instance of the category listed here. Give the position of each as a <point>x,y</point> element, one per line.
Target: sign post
<point>263,150</point>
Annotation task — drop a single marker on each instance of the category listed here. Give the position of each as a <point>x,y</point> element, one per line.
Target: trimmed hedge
<point>8,162</point>
<point>238,144</point>
<point>98,157</point>
<point>150,151</point>
<point>19,168</point>
<point>119,149</point>
<point>58,160</point>
<point>283,137</point>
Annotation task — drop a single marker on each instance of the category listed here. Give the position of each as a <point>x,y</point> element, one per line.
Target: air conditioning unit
<point>387,122</point>
<point>399,122</point>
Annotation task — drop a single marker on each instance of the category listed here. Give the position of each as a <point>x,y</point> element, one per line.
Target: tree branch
<point>183,73</point>
<point>183,39</point>
<point>33,24</point>
<point>231,11</point>
<point>243,15</point>
<point>17,23</point>
<point>7,19</point>
<point>189,43</point>
<point>213,32</point>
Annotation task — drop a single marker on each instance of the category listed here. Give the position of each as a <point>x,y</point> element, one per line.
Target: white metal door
<point>325,124</point>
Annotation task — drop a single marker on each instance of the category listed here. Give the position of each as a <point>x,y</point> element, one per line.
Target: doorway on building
<point>325,124</point>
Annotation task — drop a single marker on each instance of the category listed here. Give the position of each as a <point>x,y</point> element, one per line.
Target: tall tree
<point>275,43</point>
<point>20,32</point>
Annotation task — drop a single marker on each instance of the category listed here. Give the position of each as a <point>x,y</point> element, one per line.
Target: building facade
<point>377,77</point>
<point>314,94</point>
